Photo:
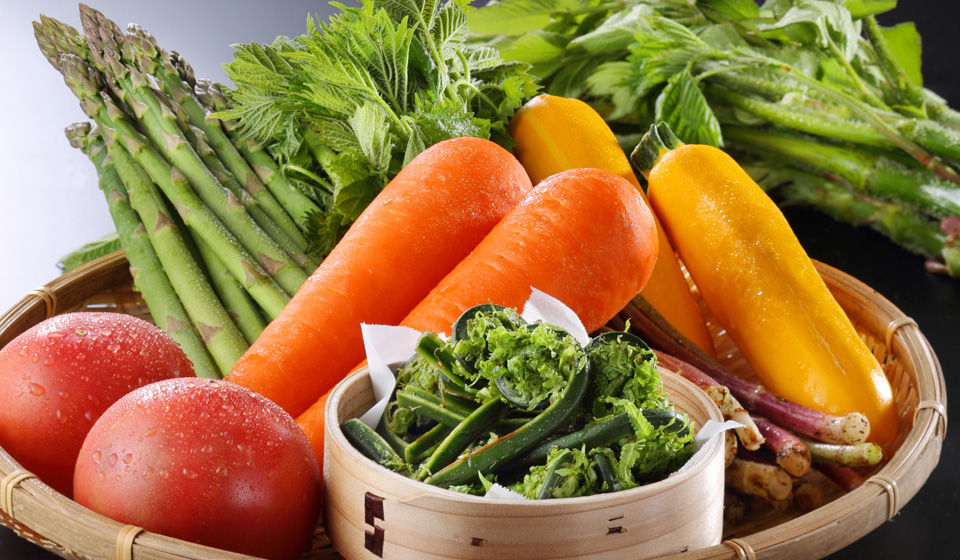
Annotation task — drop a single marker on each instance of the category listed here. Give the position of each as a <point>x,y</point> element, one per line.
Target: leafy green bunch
<point>819,102</point>
<point>349,103</point>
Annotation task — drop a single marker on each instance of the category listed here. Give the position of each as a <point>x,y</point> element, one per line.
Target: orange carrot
<point>424,222</point>
<point>583,236</point>
<point>555,133</point>
<point>311,422</point>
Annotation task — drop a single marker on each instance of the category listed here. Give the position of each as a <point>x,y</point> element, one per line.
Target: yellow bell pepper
<point>555,134</point>
<point>760,284</point>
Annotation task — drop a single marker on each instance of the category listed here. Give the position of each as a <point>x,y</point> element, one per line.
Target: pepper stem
<point>655,143</point>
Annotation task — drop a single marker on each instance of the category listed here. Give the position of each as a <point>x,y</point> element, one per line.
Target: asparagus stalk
<point>151,58</point>
<point>86,83</point>
<point>869,115</point>
<point>869,172</point>
<point>816,122</point>
<point>54,36</point>
<point>106,41</point>
<point>296,251</point>
<point>244,312</point>
<point>903,224</point>
<point>821,121</point>
<point>148,272</point>
<point>221,335</point>
<point>300,206</point>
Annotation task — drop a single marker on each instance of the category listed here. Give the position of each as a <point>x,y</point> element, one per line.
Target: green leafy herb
<point>904,42</point>
<point>653,452</point>
<point>347,104</point>
<point>534,360</point>
<point>486,418</point>
<point>577,476</point>
<point>102,247</point>
<point>623,371</point>
<point>420,373</point>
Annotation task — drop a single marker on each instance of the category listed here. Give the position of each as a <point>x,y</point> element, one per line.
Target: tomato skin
<point>209,462</point>
<point>59,376</point>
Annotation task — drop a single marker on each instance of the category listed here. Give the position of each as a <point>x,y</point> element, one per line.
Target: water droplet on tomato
<point>81,356</point>
<point>207,448</point>
<point>101,475</point>
<point>97,455</point>
<point>80,331</point>
<point>114,348</point>
<point>50,361</point>
<point>89,416</point>
<point>151,431</point>
<point>106,332</point>
<point>37,390</point>
<point>163,473</point>
<point>147,474</point>
<point>24,350</point>
<point>62,417</point>
<point>190,474</point>
<point>64,395</point>
<point>112,459</point>
<point>127,458</point>
<point>36,358</point>
<point>221,471</point>
<point>93,399</point>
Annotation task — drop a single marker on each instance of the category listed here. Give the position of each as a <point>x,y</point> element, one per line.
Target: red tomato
<point>57,378</point>
<point>204,461</point>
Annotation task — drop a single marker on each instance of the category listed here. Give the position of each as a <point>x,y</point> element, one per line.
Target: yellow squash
<point>555,134</point>
<point>760,284</point>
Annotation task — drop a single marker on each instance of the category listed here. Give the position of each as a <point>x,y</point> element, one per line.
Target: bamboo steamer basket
<point>405,518</point>
<point>39,514</point>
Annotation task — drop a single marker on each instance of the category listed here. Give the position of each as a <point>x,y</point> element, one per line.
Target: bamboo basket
<point>49,519</point>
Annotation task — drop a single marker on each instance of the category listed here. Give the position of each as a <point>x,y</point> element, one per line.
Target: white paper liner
<point>386,346</point>
<point>390,346</point>
<point>709,430</point>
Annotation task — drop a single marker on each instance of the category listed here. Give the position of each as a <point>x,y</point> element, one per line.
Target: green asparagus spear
<point>106,42</point>
<point>86,83</point>
<point>871,172</point>
<point>148,272</point>
<point>151,58</point>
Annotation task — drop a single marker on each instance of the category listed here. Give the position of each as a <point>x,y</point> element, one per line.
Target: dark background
<point>45,182</point>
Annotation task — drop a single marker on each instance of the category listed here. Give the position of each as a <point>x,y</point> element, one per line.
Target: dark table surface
<point>924,527</point>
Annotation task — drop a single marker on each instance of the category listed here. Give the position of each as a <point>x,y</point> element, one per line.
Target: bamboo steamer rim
<point>690,470</point>
<point>49,519</point>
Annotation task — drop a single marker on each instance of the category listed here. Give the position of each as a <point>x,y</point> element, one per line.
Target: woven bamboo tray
<point>49,519</point>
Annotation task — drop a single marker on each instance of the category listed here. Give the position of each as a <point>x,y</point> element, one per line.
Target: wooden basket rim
<point>32,498</point>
